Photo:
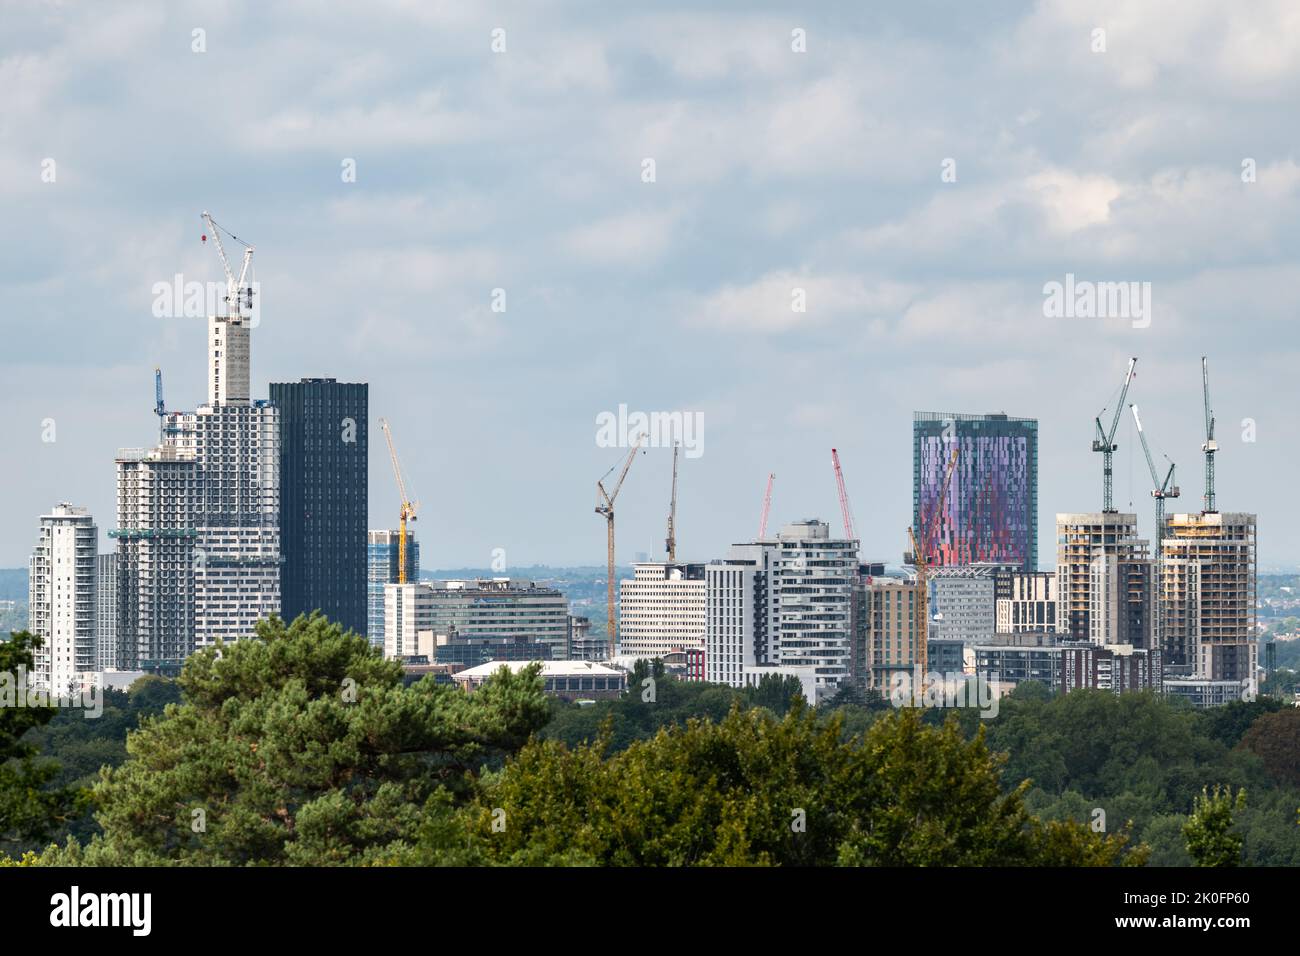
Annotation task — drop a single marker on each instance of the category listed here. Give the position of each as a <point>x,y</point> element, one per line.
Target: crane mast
<point>1105,442</point>
<point>159,408</point>
<point>1160,491</point>
<point>767,508</point>
<point>920,558</point>
<point>605,506</point>
<point>409,507</point>
<point>670,542</point>
<point>1210,446</point>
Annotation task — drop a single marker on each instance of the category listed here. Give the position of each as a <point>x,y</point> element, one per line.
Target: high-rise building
<point>1104,579</point>
<point>783,605</point>
<point>323,475</point>
<point>468,622</point>
<point>893,630</point>
<point>61,598</point>
<point>199,517</point>
<point>381,569</point>
<point>1209,594</point>
<point>155,534</point>
<point>661,608</point>
<point>237,549</point>
<point>106,612</point>
<point>990,513</point>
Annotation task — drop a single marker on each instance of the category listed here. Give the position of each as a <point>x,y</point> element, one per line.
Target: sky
<point>920,171</point>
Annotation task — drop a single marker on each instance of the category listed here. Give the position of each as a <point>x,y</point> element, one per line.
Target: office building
<point>990,512</point>
<point>456,621</point>
<point>1209,594</point>
<point>323,482</point>
<point>1104,579</point>
<point>962,602</point>
<point>381,569</point>
<point>61,599</point>
<point>661,609</point>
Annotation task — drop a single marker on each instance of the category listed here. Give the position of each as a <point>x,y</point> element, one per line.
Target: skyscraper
<point>1104,579</point>
<point>199,515</point>
<point>61,598</point>
<point>323,480</point>
<point>156,496</point>
<point>381,569</point>
<point>990,512</point>
<point>1209,593</point>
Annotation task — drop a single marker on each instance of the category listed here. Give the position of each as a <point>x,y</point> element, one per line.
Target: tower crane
<point>605,506</point>
<point>767,508</point>
<point>920,556</point>
<point>1210,446</point>
<point>1161,491</point>
<point>671,541</point>
<point>239,296</point>
<point>159,408</point>
<point>1105,441</point>
<point>845,510</point>
<point>409,508</point>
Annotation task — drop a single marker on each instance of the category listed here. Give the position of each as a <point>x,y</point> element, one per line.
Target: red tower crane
<point>845,510</point>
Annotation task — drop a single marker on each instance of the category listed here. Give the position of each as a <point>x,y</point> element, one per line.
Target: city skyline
<point>671,295</point>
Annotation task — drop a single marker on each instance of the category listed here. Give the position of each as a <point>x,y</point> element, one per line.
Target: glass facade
<point>990,513</point>
<point>323,489</point>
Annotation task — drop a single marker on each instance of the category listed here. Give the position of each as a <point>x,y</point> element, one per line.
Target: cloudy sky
<point>774,170</point>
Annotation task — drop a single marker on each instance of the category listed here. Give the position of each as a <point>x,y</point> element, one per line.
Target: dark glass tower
<point>323,469</point>
<point>991,509</point>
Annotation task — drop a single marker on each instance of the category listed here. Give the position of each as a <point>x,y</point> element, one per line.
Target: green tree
<point>755,790</point>
<point>1275,739</point>
<point>301,746</point>
<point>1210,841</point>
<point>31,805</point>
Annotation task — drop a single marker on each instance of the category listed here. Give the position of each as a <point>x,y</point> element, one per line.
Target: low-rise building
<point>568,680</point>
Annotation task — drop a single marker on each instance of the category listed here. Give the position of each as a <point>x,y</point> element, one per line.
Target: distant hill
<point>13,584</point>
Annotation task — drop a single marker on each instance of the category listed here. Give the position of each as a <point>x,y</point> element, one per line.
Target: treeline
<point>305,748</point>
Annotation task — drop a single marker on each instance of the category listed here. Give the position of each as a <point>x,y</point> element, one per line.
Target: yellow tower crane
<point>605,506</point>
<point>409,507</point>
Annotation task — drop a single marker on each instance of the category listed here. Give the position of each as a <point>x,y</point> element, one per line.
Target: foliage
<point>1210,841</point>
<point>299,747</point>
<point>1275,739</point>
<point>755,790</point>
<point>32,803</point>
